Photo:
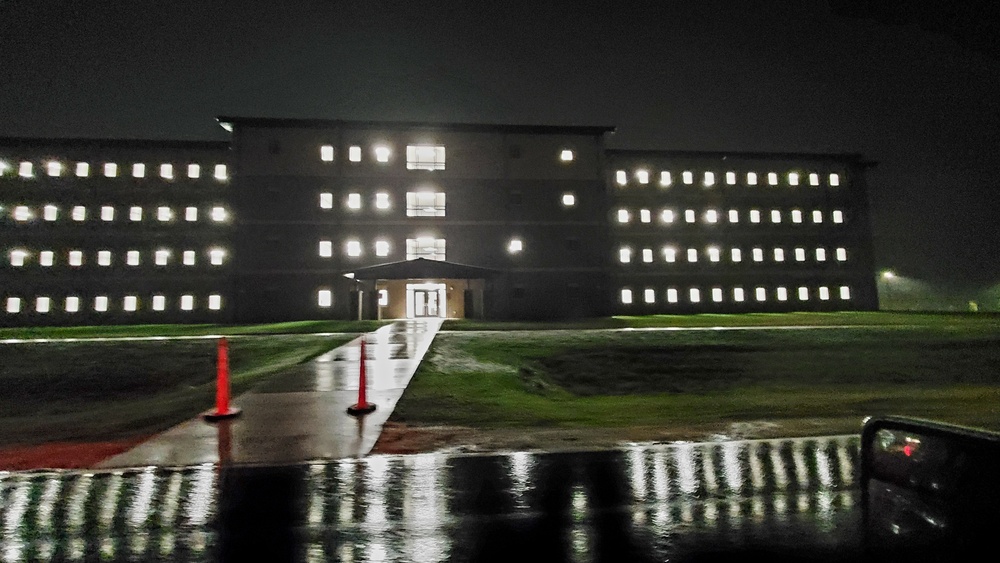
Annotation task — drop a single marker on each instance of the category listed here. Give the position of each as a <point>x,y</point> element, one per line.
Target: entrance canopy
<point>422,268</point>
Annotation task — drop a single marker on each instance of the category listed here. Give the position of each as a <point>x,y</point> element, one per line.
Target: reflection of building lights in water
<point>346,492</point>
<point>47,502</point>
<point>143,498</point>
<point>520,464</point>
<point>171,499</point>
<point>200,496</point>
<point>778,468</point>
<point>823,469</point>
<point>376,468</point>
<point>316,496</point>
<point>846,466</point>
<point>660,479</point>
<point>756,467</point>
<point>637,466</point>
<point>77,499</point>
<point>110,501</point>
<point>799,459</point>
<point>17,506</point>
<point>708,469</point>
<point>684,458</point>
<point>732,465</point>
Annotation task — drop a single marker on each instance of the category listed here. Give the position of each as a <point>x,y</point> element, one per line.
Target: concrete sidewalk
<point>301,415</point>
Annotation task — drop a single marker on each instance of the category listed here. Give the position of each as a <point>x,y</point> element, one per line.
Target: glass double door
<point>425,303</point>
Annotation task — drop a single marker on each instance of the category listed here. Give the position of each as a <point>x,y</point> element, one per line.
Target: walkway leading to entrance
<point>301,415</point>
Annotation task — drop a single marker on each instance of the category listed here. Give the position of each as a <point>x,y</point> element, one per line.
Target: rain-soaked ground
<point>791,499</point>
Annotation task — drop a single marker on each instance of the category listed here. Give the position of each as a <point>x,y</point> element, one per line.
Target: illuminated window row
<point>708,179</point>
<point>109,213</point>
<point>672,254</point>
<point>103,304</point>
<point>421,247</point>
<point>737,294</point>
<point>418,157</point>
<point>55,169</point>
<point>668,216</point>
<point>162,257</point>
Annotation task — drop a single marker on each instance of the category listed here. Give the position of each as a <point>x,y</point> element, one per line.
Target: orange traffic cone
<point>222,408</point>
<point>362,406</point>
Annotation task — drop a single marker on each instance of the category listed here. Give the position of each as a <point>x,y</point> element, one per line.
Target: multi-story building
<point>312,219</point>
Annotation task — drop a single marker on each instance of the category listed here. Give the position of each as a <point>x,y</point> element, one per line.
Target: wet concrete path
<point>301,415</point>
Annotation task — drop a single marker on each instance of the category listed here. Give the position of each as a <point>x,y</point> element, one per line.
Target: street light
<point>888,275</point>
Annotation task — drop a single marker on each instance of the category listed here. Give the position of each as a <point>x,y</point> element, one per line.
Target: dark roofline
<point>66,142</point>
<point>415,125</point>
<point>722,155</point>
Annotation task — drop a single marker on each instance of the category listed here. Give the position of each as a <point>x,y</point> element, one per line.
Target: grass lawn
<point>945,367</point>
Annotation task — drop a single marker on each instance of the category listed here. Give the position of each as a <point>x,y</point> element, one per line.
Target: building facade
<point>312,219</point>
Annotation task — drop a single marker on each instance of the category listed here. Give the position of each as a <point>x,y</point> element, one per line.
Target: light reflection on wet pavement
<point>687,501</point>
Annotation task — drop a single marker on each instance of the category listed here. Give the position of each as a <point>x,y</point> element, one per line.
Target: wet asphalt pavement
<point>794,499</point>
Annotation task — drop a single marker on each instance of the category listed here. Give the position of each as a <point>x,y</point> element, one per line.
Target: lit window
<point>219,214</point>
<point>731,178</point>
<point>845,292</point>
<point>325,248</point>
<point>667,215</point>
<point>817,216</point>
<point>22,213</point>
<point>713,254</point>
<point>326,153</point>
<point>566,155</point>
<point>382,200</point>
<point>782,293</point>
<point>649,295</point>
<point>758,255</point>
<point>717,294</point>
<point>53,168</point>
<point>736,255</point>
<point>132,257</point>
<point>214,302</point>
<point>324,298</point>
<point>687,177</point>
<point>426,247</point>
<point>841,254</point>
<point>515,245</point>
<point>75,258</point>
<point>13,304</point>
<point>779,255</point>
<point>82,169</point>
<point>689,215</point>
<point>17,258</point>
<point>79,213</point>
<point>796,216</point>
<point>381,248</point>
<point>188,258</point>
<point>46,258</point>
<point>692,255</point>
<point>669,254</point>
<point>424,157</point>
<point>24,170</point>
<point>354,154</point>
<point>644,216</point>
<point>793,178</point>
<point>191,214</point>
<point>647,255</point>
<point>734,216</point>
<point>72,304</point>
<point>221,172</point>
<point>709,179</point>
<point>624,255</point>
<point>755,216</point>
<point>814,179</point>
<point>161,257</point>
<point>671,295</point>
<point>824,293</point>
<point>642,176</point>
<point>837,216</point>
<point>621,177</point>
<point>107,213</point>
<point>101,303</point>
<point>800,254</point>
<point>568,199</point>
<point>665,179</point>
<point>104,258</point>
<point>50,213</point>
<point>711,216</point>
<point>135,213</point>
<point>694,295</point>
<point>159,302</point>
<point>383,298</point>
<point>167,171</point>
<point>164,214</point>
<point>738,295</point>
<point>760,294</point>
<point>3,167</point>
<point>425,204</point>
<point>623,216</point>
<point>752,178</point>
<point>775,216</point>
<point>803,294</point>
<point>187,302</point>
<point>130,303</point>
<point>627,296</point>
<point>110,169</point>
<point>354,201</point>
<point>216,256</point>
<point>834,180</point>
<point>772,178</point>
<point>353,248</point>
<point>382,154</point>
<point>194,171</point>
<point>821,255</point>
<point>138,170</point>
<point>326,200</point>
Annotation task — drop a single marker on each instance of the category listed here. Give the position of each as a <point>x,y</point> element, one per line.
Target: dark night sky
<point>702,75</point>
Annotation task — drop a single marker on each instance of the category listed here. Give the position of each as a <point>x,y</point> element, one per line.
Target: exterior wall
<point>37,218</point>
